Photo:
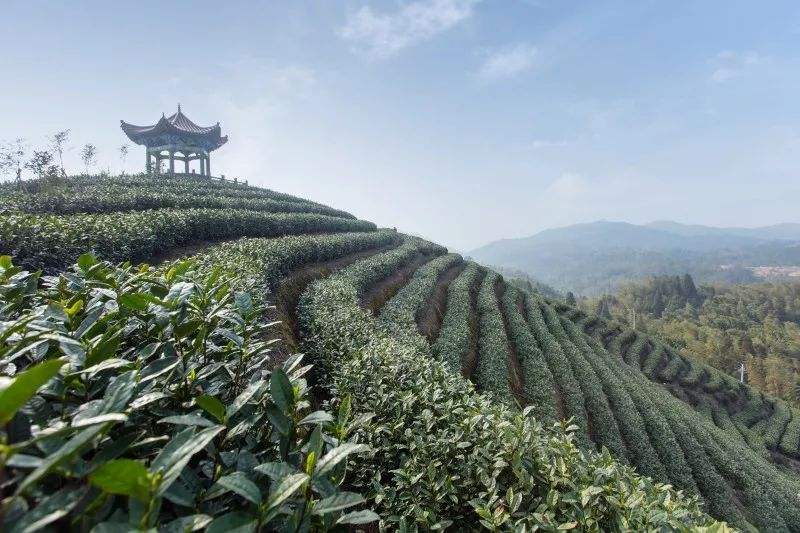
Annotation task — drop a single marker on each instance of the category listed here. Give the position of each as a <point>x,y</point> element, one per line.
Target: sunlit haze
<point>461,120</point>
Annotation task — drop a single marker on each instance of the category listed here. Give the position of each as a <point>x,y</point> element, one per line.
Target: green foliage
<point>539,386</point>
<point>569,389</point>
<point>52,241</point>
<point>448,455</point>
<point>134,399</point>
<point>492,373</point>
<point>403,309</point>
<point>725,465</point>
<point>456,335</point>
<point>138,193</point>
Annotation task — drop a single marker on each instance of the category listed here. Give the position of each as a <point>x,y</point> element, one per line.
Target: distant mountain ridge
<point>593,257</point>
<point>784,231</point>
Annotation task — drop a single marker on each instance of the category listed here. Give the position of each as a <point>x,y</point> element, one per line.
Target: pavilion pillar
<point>185,163</point>
<point>208,164</point>
<point>202,165</point>
<point>147,161</point>
<point>172,161</point>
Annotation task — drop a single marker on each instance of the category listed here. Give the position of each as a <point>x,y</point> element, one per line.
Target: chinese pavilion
<point>176,138</point>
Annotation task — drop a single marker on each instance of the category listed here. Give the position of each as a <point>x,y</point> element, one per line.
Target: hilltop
<point>437,394</point>
<point>595,257</point>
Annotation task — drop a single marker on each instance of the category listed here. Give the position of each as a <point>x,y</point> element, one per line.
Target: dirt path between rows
<point>429,321</point>
<point>515,381</point>
<point>380,293</point>
<point>471,357</point>
<point>291,287</point>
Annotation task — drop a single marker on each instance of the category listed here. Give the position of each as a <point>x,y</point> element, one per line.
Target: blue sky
<point>460,120</point>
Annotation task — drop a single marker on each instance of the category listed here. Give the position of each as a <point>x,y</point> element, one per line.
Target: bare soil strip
<point>380,293</point>
<point>292,287</point>
<point>429,321</point>
<point>515,380</point>
<point>471,357</point>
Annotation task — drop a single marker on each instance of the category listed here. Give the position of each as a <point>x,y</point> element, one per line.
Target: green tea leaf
<point>186,524</point>
<point>178,451</point>
<point>235,522</point>
<point>86,261</point>
<point>359,517</point>
<point>317,417</point>
<point>62,454</point>
<point>134,301</point>
<point>187,420</point>
<point>276,471</point>
<point>24,386</point>
<point>337,502</point>
<point>281,389</point>
<point>212,406</point>
<point>327,462</point>
<point>123,476</point>
<point>50,509</point>
<point>285,489</point>
<point>238,483</point>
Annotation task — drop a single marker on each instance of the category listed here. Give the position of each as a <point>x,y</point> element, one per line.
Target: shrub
<point>443,454</point>
<point>492,373</point>
<point>403,309</point>
<point>456,336</point>
<point>52,242</point>
<point>136,400</point>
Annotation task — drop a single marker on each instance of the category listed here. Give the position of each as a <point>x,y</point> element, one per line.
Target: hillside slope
<point>595,257</point>
<point>394,324</point>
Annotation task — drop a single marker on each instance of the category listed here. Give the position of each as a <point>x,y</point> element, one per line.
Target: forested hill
<point>755,325</point>
<point>434,394</point>
<point>594,258</point>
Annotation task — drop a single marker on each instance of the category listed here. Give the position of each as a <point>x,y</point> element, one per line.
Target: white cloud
<point>729,65</point>
<point>569,186</point>
<point>381,35</point>
<point>509,62</point>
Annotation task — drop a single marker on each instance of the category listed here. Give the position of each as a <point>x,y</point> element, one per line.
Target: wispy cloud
<point>508,62</point>
<point>382,35</point>
<point>729,64</point>
<point>567,187</point>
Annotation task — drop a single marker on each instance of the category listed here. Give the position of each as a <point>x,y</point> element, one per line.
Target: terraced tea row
<point>437,456</point>
<point>356,299</point>
<point>113,195</point>
<point>55,195</point>
<point>765,424</point>
<point>528,353</point>
<point>51,241</point>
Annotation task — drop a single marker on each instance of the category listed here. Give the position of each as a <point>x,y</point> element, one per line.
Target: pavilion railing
<point>201,177</point>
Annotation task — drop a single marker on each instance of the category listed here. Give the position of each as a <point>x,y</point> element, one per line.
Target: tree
<point>123,156</point>
<point>59,142</point>
<point>12,157</point>
<point>41,164</point>
<point>570,299</point>
<point>88,155</point>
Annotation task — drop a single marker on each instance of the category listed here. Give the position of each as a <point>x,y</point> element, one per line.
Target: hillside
<point>596,257</point>
<point>403,337</point>
<point>757,324</point>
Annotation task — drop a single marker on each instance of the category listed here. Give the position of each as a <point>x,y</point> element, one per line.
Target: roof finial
<point>179,107</point>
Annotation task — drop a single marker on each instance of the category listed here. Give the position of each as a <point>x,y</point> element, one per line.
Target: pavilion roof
<point>175,126</point>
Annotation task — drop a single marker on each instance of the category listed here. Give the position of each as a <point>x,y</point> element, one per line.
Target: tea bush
<point>405,306</point>
<point>444,455</point>
<point>455,337</point>
<point>492,373</point>
<point>117,194</point>
<point>135,400</point>
<point>52,241</point>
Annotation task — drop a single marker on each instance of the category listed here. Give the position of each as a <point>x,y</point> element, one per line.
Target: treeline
<point>755,325</point>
